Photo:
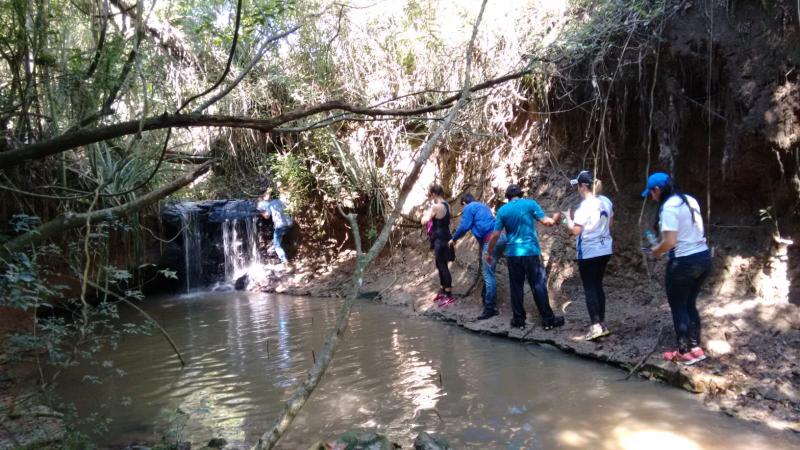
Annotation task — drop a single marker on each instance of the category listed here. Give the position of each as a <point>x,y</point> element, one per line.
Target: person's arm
<point>669,232</point>
<point>264,212</point>
<point>541,216</point>
<point>428,215</point>
<point>575,224</point>
<point>467,219</point>
<point>668,241</point>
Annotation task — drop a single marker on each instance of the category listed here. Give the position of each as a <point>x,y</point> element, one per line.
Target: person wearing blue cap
<point>518,218</point>
<point>591,225</point>
<point>682,236</point>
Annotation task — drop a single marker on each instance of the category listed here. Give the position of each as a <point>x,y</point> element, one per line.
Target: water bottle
<point>651,237</point>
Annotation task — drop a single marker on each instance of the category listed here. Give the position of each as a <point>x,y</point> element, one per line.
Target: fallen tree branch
<point>69,220</point>
<point>303,392</point>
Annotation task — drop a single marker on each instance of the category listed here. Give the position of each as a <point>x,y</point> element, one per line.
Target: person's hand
<point>557,217</point>
<point>489,259</point>
<point>451,243</point>
<point>654,251</point>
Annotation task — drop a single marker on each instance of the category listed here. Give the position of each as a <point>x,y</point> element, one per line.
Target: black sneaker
<point>556,321</point>
<point>517,323</point>
<point>487,314</point>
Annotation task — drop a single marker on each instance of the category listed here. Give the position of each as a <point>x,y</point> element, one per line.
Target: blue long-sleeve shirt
<point>477,218</point>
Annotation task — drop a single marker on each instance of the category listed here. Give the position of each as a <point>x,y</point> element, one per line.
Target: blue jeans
<point>530,267</point>
<point>685,276</point>
<point>277,236</point>
<point>489,274</point>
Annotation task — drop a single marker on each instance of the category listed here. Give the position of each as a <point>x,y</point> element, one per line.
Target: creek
<point>394,373</point>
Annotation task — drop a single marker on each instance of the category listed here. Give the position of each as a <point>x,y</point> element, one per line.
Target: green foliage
<point>600,22</point>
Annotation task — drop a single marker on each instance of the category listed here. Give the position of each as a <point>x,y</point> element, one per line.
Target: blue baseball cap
<point>658,179</point>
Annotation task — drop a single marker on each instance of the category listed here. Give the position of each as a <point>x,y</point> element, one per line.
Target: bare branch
<point>69,220</point>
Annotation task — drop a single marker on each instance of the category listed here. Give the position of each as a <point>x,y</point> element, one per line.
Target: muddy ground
<point>752,373</point>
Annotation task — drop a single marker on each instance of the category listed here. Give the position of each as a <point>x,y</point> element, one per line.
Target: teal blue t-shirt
<point>518,217</point>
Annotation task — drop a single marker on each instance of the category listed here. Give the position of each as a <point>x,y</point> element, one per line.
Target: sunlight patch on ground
<point>652,440</point>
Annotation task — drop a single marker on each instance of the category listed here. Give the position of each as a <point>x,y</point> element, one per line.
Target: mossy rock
<point>356,440</point>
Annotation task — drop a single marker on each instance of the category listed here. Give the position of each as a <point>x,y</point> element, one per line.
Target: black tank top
<point>441,227</point>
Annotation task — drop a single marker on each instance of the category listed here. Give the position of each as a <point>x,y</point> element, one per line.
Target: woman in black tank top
<point>438,220</point>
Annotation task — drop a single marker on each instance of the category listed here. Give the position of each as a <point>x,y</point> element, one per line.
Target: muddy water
<point>397,374</point>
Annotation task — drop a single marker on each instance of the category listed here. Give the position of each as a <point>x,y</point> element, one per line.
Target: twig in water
<point>313,356</point>
<point>441,384</point>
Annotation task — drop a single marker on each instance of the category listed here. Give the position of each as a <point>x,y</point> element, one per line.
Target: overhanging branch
<point>69,221</point>
<point>83,137</point>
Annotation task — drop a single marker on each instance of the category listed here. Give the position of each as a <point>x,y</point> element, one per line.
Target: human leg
<point>516,281</point>
<point>537,278</point>
<point>678,284</point>
<point>277,238</point>
<point>588,271</point>
<point>601,293</point>
<point>441,252</point>
<point>702,268</point>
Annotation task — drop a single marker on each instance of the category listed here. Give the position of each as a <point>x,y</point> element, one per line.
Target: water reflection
<point>398,375</point>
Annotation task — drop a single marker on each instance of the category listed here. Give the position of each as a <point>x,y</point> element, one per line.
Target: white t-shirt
<point>676,215</point>
<point>594,215</point>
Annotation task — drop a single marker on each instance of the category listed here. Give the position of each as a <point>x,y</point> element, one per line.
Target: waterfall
<point>240,243</point>
<point>192,245</point>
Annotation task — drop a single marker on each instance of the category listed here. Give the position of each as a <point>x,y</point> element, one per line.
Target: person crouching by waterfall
<point>591,224</point>
<point>271,206</point>
<point>437,222</point>
<point>683,236</point>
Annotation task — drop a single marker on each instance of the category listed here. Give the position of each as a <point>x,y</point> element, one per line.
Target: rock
<point>357,440</point>
<point>425,441</point>
<point>184,446</point>
<point>241,283</point>
<point>217,443</point>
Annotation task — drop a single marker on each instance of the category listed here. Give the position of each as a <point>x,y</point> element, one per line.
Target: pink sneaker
<point>447,299</point>
<point>686,359</point>
<point>437,299</point>
<point>698,354</point>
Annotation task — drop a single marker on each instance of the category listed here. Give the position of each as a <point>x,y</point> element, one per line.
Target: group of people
<point>511,233</point>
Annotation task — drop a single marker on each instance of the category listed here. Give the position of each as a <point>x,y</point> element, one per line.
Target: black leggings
<point>592,271</point>
<point>685,276</point>
<point>441,253</point>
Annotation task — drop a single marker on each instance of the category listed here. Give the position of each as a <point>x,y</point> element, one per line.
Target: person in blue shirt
<point>477,218</point>
<point>518,218</point>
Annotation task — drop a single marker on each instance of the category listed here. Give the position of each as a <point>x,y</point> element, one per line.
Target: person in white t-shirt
<point>680,223</point>
<point>591,224</point>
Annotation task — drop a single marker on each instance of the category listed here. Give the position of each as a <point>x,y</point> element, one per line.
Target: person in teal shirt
<point>518,218</point>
